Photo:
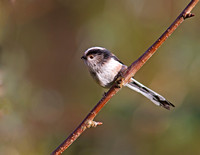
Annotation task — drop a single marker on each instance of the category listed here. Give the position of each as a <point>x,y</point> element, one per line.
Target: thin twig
<point>132,69</point>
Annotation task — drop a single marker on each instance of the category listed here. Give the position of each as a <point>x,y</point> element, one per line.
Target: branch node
<point>93,124</point>
<point>187,15</point>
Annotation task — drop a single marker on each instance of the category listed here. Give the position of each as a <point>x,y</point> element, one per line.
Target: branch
<point>130,72</point>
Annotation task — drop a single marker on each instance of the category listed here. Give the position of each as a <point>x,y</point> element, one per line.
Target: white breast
<point>108,72</point>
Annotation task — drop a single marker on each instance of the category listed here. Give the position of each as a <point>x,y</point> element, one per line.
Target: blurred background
<point>46,90</point>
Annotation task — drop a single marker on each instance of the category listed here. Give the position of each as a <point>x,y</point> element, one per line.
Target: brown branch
<point>132,69</point>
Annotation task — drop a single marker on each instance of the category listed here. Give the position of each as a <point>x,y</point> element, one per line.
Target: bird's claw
<point>119,80</point>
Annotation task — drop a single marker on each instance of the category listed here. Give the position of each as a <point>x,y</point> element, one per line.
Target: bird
<point>105,69</point>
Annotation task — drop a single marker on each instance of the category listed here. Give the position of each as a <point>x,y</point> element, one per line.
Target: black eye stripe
<point>94,51</point>
<point>105,53</point>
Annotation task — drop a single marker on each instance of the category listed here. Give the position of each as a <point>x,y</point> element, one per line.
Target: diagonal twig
<point>130,72</point>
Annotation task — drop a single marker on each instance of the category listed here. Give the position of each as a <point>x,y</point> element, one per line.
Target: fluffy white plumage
<point>105,67</point>
<point>108,73</point>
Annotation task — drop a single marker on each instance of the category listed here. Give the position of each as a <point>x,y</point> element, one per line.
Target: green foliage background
<point>46,90</point>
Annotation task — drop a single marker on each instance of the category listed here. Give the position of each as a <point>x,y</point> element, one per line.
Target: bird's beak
<point>83,57</point>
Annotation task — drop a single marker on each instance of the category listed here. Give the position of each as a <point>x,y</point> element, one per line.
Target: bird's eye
<point>91,56</point>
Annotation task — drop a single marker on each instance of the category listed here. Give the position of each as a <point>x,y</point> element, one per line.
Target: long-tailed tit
<point>105,68</point>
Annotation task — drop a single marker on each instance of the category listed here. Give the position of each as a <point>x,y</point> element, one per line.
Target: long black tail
<point>150,94</point>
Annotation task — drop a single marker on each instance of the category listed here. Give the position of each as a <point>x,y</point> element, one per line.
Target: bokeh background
<point>46,90</point>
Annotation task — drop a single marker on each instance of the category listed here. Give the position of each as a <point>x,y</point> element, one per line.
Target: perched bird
<point>105,68</point>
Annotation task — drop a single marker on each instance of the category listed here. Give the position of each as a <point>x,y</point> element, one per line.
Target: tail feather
<point>150,94</point>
